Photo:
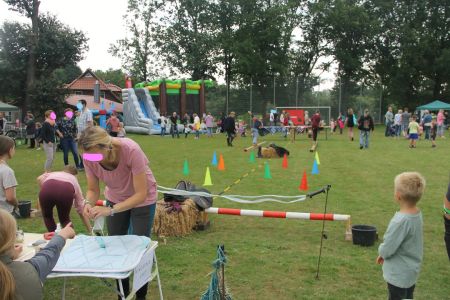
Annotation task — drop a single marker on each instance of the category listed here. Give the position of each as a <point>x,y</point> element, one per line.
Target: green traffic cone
<point>185,168</point>
<point>267,171</point>
<point>252,157</point>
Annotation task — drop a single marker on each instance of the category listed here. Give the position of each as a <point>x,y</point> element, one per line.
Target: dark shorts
<point>413,136</point>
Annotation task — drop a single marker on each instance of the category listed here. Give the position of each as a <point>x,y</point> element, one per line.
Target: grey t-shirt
<point>7,180</point>
<point>402,249</point>
<point>405,118</point>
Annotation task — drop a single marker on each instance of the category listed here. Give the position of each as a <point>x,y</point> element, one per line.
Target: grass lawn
<point>277,258</point>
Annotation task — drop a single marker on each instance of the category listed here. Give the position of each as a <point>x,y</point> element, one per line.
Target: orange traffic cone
<point>221,166</point>
<point>285,162</point>
<point>304,184</point>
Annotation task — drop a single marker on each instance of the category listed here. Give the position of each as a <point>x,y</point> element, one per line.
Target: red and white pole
<point>277,214</point>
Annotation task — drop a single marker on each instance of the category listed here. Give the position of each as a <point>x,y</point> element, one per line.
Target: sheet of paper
<point>143,270</point>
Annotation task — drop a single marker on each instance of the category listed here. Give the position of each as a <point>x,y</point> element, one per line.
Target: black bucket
<point>25,208</point>
<point>364,235</point>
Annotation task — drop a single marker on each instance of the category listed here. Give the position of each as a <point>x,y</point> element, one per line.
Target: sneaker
<point>80,169</point>
<point>39,148</point>
<point>361,147</point>
<point>433,146</point>
<point>352,139</point>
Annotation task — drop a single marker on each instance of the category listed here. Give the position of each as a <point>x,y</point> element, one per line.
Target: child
<point>121,133</point>
<point>24,280</point>
<point>402,249</point>
<point>242,127</point>
<point>413,129</point>
<point>61,189</point>
<point>187,130</point>
<point>433,132</point>
<point>341,122</point>
<point>8,182</point>
<point>332,126</point>
<point>38,135</point>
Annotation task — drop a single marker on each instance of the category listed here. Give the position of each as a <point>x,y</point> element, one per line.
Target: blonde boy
<point>402,250</point>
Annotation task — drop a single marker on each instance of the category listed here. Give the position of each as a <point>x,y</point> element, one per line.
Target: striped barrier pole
<point>276,214</point>
<point>284,215</point>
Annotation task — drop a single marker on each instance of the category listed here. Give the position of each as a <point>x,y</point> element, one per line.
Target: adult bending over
<point>61,189</point>
<point>130,185</point>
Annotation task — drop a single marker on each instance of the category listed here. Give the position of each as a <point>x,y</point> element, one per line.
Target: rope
<point>213,292</point>
<point>236,198</point>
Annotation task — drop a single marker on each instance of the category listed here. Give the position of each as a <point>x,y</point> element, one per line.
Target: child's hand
<point>17,250</point>
<point>380,260</point>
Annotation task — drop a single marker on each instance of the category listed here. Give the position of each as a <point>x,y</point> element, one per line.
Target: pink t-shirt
<point>114,122</point>
<point>440,119</point>
<point>119,182</point>
<point>66,177</point>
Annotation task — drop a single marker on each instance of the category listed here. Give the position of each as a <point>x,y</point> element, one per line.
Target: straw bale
<point>175,224</point>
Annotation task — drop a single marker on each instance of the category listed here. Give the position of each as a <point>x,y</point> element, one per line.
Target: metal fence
<point>261,98</point>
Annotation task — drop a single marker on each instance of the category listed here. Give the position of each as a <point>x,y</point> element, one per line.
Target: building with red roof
<point>83,88</point>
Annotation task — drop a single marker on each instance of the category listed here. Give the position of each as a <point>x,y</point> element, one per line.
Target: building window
<point>103,95</point>
<point>78,93</point>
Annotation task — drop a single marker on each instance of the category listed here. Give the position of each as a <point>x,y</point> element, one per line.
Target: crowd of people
<point>130,187</point>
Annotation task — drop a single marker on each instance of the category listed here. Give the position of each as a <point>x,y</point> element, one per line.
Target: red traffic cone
<point>285,162</point>
<point>221,166</point>
<point>304,184</point>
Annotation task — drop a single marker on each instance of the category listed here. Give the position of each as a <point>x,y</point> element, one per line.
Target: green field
<point>277,258</point>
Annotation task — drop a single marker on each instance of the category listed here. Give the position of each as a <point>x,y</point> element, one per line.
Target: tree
<point>58,51</point>
<point>30,9</point>
<point>347,27</point>
<point>187,42</point>
<point>116,77</point>
<point>137,52</point>
<point>306,51</point>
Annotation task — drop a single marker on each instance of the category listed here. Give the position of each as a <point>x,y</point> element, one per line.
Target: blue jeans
<point>427,132</point>
<point>174,130</point>
<point>67,144</point>
<point>398,130</point>
<point>387,132</point>
<point>364,138</point>
<point>255,135</point>
<point>209,131</point>
<point>440,130</point>
<point>197,133</point>
<point>163,130</point>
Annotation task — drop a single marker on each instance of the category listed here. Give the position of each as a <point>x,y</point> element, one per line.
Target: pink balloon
<point>69,114</point>
<point>96,157</point>
<point>52,116</point>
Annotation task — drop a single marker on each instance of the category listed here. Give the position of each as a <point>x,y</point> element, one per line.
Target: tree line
<point>398,47</point>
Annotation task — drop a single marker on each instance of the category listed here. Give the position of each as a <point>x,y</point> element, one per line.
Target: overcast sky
<point>102,21</point>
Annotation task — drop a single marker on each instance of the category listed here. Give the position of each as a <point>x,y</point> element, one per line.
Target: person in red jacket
<point>315,123</point>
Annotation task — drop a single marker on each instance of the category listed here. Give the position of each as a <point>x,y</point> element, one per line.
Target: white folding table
<point>145,271</point>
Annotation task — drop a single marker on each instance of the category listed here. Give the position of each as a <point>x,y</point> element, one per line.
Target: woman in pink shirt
<point>130,187</point>
<point>440,123</point>
<point>61,189</point>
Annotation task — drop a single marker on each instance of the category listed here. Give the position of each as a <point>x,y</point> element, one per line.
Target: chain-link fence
<point>261,98</point>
